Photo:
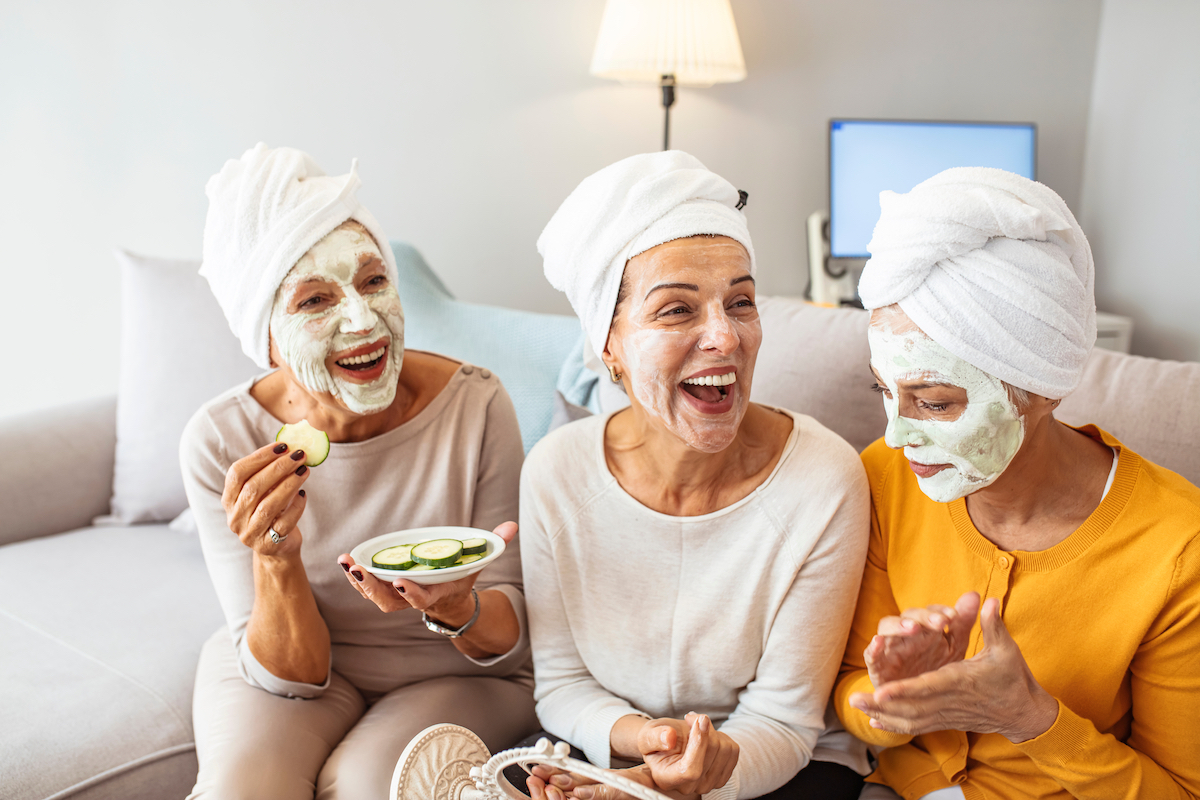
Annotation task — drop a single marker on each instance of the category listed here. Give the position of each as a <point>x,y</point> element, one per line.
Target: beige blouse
<point>458,462</point>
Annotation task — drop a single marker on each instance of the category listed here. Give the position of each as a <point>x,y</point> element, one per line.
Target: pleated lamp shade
<point>694,40</point>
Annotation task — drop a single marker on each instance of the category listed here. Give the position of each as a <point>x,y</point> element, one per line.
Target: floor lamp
<point>669,42</point>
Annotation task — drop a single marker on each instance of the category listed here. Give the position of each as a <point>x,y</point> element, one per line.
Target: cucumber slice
<point>437,552</point>
<point>469,558</point>
<point>302,436</point>
<point>421,568</point>
<point>473,546</point>
<point>393,557</point>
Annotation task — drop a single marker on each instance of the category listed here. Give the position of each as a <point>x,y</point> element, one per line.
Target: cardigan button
<point>467,369</point>
<point>1003,562</point>
<point>483,373</point>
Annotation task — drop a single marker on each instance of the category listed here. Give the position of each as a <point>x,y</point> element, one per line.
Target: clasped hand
<point>924,683</point>
<point>449,603</point>
<point>682,759</point>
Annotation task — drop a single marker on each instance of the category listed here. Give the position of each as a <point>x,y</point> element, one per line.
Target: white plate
<point>363,552</point>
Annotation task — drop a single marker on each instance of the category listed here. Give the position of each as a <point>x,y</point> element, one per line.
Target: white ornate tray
<point>448,762</point>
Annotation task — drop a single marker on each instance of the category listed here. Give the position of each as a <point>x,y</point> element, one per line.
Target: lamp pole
<point>668,90</point>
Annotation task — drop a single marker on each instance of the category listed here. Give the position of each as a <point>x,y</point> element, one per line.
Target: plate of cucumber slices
<point>428,555</point>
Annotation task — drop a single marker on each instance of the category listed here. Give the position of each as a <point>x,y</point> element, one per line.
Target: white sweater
<point>741,614</point>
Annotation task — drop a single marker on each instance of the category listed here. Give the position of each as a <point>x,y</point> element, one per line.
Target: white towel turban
<point>994,268</point>
<point>265,210</point>
<point>626,209</point>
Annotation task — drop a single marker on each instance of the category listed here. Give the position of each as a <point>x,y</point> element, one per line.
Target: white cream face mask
<point>661,358</point>
<point>365,329</point>
<point>977,446</point>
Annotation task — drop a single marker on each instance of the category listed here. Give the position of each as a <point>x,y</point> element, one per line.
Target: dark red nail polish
<point>279,448</point>
<point>303,469</point>
<point>358,576</point>
<point>345,567</point>
<point>401,590</point>
<point>302,493</point>
<point>296,456</point>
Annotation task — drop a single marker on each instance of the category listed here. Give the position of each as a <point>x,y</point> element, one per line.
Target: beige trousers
<point>254,745</point>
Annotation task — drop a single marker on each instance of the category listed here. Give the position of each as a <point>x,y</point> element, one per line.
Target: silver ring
<point>276,538</point>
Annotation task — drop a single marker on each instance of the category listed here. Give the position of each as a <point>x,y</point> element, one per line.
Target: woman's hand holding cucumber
<point>263,495</point>
<point>263,503</point>
<point>451,605</point>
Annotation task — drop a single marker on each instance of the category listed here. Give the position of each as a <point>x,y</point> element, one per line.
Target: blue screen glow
<point>867,157</point>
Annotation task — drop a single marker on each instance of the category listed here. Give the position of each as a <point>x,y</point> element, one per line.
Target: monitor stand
<point>831,281</point>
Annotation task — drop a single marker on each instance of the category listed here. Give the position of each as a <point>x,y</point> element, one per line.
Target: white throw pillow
<point>177,352</point>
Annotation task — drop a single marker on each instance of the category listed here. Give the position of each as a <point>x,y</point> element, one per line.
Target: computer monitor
<point>869,156</point>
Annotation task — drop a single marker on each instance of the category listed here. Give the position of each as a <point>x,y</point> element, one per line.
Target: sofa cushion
<point>176,352</point>
<point>816,360</point>
<point>1152,406</point>
<point>102,630</point>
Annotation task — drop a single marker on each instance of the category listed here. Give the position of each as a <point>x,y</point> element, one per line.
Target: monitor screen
<point>868,156</point>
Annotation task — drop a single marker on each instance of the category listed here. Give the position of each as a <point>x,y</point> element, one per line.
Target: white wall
<point>472,120</point>
<point>1141,189</point>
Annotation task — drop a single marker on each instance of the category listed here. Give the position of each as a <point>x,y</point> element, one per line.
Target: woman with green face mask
<point>311,689</point>
<point>1030,611</point>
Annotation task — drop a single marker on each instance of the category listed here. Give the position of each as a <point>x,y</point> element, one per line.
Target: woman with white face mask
<point>692,559</point>
<point>311,690</point>
<point>1029,617</point>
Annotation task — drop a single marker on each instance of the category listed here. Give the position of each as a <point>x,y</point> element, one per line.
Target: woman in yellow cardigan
<point>1029,619</point>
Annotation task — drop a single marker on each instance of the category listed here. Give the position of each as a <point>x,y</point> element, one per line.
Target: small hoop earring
<point>612,373</point>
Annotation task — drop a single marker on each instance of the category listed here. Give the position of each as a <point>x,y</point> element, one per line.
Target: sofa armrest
<point>56,469</point>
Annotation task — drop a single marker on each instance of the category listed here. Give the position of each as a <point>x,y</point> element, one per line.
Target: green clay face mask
<point>306,339</point>
<point>977,447</point>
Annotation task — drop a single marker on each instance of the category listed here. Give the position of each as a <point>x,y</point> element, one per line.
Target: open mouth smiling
<point>364,363</point>
<point>357,363</point>
<point>711,390</point>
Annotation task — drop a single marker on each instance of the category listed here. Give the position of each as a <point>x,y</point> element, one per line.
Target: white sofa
<point>102,625</point>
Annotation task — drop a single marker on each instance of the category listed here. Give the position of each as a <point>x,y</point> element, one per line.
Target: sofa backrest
<point>57,469</point>
<point>815,360</point>
<point>1152,406</point>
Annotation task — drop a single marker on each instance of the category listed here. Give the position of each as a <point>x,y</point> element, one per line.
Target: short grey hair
<point>1018,396</point>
